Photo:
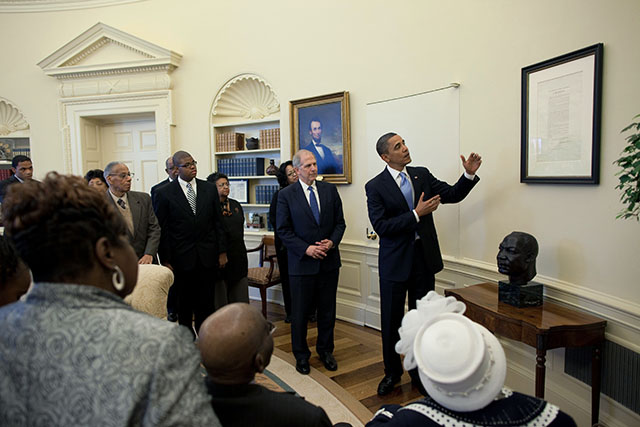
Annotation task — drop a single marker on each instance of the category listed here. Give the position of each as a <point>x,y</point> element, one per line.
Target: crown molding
<point>66,62</point>
<point>22,6</point>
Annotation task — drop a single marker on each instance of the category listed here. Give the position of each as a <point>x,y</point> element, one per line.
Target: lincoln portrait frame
<point>330,140</point>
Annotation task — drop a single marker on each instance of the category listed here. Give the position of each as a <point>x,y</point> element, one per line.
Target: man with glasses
<point>136,210</point>
<point>192,242</point>
<point>401,200</point>
<point>236,343</point>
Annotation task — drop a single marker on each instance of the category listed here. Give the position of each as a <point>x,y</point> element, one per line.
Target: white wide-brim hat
<point>461,364</point>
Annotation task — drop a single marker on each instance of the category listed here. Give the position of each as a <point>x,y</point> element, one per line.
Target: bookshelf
<point>10,147</point>
<point>246,107</point>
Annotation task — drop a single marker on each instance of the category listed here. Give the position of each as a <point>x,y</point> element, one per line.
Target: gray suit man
<point>137,211</point>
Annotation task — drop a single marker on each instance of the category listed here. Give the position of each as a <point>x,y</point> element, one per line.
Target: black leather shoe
<point>287,319</point>
<point>387,384</point>
<point>329,361</point>
<point>302,366</point>
<point>172,317</point>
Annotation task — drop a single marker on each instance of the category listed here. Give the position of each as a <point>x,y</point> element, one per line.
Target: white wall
<point>377,50</point>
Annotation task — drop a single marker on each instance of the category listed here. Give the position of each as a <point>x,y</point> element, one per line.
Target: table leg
<point>540,372</point>
<point>596,366</point>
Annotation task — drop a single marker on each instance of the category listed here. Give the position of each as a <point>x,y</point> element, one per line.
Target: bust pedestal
<point>529,295</point>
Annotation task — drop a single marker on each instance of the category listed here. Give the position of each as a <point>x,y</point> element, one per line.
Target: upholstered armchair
<point>152,288</point>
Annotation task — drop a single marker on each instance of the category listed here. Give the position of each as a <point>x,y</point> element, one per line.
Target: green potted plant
<point>629,176</point>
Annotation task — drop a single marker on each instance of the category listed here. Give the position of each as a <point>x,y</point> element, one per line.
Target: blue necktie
<point>313,203</point>
<point>405,187</point>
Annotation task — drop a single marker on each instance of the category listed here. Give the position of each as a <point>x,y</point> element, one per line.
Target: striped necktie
<point>191,197</point>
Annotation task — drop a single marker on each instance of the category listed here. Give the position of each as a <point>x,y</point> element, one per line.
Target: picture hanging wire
<point>451,85</point>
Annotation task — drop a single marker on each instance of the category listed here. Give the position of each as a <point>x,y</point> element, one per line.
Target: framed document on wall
<point>561,110</point>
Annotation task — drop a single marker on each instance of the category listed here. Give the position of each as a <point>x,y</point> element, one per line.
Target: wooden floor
<point>358,350</point>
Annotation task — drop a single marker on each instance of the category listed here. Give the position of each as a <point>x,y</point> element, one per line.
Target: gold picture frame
<point>322,124</point>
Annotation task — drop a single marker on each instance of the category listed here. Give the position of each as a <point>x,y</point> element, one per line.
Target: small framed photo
<point>321,125</point>
<point>561,110</point>
<point>239,190</point>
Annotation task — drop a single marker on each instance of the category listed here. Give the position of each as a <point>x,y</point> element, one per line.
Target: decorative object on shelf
<point>561,110</point>
<point>629,176</point>
<point>272,169</point>
<point>255,220</point>
<point>253,143</point>
<point>321,125</point>
<point>517,259</point>
<point>246,96</point>
<point>5,151</point>
<point>11,119</point>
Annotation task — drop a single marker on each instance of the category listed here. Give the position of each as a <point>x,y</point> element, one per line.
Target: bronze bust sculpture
<point>517,259</point>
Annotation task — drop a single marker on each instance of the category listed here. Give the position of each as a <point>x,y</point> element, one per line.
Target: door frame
<point>72,110</point>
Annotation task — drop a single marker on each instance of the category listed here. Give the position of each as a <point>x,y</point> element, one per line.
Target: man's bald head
<point>235,343</point>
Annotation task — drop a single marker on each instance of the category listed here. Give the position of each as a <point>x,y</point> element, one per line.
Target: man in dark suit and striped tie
<point>192,241</point>
<point>311,224</point>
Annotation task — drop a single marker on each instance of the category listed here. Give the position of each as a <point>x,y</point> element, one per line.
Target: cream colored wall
<point>376,51</point>
<point>381,49</point>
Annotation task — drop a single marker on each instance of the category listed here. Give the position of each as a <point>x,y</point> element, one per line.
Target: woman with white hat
<point>462,367</point>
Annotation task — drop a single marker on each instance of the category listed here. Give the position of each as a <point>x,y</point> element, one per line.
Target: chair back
<point>267,249</point>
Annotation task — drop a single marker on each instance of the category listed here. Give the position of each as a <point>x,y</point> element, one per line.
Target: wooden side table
<point>544,328</point>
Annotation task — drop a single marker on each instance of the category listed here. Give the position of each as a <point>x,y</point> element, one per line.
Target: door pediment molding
<point>103,50</point>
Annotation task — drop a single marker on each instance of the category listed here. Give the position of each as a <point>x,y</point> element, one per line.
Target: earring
<point>117,279</point>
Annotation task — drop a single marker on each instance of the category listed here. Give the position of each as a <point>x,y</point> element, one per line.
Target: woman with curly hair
<point>73,353</point>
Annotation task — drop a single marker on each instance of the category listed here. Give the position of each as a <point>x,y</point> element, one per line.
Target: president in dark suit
<point>192,241</point>
<point>326,160</point>
<point>22,169</point>
<point>401,201</point>
<point>135,207</point>
<point>311,224</point>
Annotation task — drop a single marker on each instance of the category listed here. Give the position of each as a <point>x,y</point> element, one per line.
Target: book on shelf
<point>249,166</point>
<point>270,138</point>
<point>265,192</point>
<point>229,141</point>
<point>5,174</point>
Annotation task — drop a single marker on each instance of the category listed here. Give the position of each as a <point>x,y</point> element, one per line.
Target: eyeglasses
<point>123,175</point>
<point>292,173</point>
<point>223,184</point>
<point>188,165</point>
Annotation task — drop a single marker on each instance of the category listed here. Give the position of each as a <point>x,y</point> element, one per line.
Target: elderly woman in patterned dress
<point>73,353</point>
